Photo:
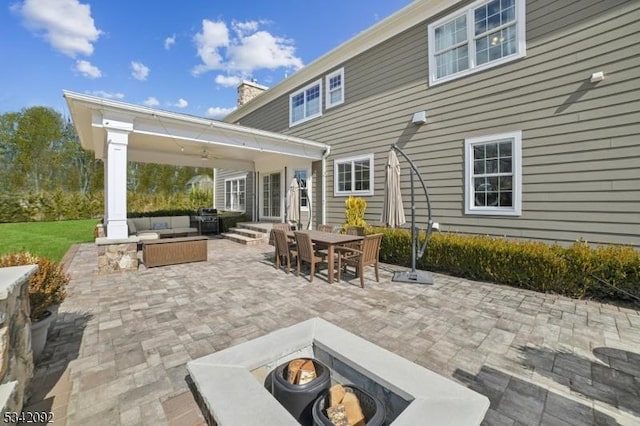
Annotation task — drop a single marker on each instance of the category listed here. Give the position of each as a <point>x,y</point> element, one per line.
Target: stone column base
<point>117,256</point>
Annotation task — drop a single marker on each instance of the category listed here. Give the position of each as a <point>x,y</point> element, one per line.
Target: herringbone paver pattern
<point>119,349</point>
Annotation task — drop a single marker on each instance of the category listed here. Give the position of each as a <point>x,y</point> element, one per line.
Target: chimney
<point>248,90</point>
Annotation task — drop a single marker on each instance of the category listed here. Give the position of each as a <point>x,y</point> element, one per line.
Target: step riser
<point>247,232</point>
<point>247,235</point>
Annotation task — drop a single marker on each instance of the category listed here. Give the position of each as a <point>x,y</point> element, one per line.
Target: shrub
<point>354,212</point>
<point>570,271</point>
<point>46,287</point>
<point>228,220</point>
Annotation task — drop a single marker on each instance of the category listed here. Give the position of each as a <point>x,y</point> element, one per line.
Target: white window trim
<point>337,161</point>
<point>328,103</point>
<point>516,209</point>
<point>297,92</point>
<point>521,49</point>
<point>235,178</point>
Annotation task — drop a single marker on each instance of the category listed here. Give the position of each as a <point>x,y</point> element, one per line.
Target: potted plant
<point>47,289</point>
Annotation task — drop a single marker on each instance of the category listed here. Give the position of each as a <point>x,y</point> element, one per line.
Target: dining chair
<point>305,252</point>
<point>284,249</point>
<point>325,228</point>
<point>285,226</point>
<point>367,255</point>
<point>355,230</point>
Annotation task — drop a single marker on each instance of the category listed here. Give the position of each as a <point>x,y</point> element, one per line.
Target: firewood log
<point>336,393</point>
<point>294,370</point>
<point>307,373</point>
<point>353,409</point>
<point>338,415</point>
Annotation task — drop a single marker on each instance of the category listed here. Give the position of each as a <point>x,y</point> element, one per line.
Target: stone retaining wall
<point>16,360</point>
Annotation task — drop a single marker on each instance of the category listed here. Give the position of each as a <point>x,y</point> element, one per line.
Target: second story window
<point>305,103</point>
<point>335,88</point>
<point>484,34</point>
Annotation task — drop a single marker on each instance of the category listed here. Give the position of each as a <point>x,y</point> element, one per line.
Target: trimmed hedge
<point>570,271</point>
<point>61,205</point>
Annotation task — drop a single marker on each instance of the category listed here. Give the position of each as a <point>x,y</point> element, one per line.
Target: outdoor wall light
<point>597,77</point>
<point>419,118</point>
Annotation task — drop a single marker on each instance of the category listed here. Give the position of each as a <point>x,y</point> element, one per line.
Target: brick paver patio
<point>118,351</point>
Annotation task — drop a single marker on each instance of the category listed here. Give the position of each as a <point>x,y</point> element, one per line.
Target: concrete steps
<point>248,234</point>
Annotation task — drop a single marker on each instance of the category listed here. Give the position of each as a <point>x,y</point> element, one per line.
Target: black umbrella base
<point>414,277</point>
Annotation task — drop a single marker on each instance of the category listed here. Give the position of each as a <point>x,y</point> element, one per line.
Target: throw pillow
<point>132,226</point>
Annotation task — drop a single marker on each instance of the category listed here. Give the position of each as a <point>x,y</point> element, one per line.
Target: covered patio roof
<point>163,137</point>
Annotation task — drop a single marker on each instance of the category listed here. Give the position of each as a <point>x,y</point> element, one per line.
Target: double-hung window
<point>354,176</point>
<point>482,35</point>
<point>493,174</point>
<point>305,104</point>
<point>335,88</point>
<point>302,181</point>
<point>235,194</point>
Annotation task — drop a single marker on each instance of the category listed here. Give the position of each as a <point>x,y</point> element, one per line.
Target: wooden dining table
<point>329,240</point>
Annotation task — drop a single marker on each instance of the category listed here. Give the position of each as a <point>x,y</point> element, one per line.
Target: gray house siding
<point>580,140</point>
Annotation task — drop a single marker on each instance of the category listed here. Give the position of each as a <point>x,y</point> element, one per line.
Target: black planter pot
<point>298,399</point>
<point>372,408</point>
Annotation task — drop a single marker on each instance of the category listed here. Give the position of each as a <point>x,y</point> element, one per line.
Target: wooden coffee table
<point>171,251</point>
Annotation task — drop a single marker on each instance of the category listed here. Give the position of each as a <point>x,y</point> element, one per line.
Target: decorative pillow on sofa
<point>160,225</point>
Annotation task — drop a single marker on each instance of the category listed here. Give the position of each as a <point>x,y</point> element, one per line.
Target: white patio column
<point>116,177</point>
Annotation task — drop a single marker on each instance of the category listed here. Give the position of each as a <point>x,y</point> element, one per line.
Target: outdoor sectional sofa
<point>163,226</point>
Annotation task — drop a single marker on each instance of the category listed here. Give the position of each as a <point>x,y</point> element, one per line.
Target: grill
<point>206,221</point>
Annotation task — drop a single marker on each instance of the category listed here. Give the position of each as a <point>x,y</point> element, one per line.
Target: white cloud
<point>169,42</point>
<point>243,28</point>
<point>228,80</point>
<point>139,71</point>
<point>151,102</point>
<point>86,69</point>
<point>107,95</point>
<point>218,113</point>
<point>182,103</point>
<point>263,50</point>
<point>66,25</point>
<point>214,35</point>
<point>249,49</point>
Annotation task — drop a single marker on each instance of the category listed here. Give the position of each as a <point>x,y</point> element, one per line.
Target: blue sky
<point>178,55</point>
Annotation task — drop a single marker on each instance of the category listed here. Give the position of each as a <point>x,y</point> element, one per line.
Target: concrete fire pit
<point>230,383</point>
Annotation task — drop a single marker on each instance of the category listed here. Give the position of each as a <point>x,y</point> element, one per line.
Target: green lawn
<point>47,239</point>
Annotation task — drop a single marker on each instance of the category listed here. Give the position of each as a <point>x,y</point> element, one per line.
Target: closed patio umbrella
<point>293,208</point>
<point>392,210</point>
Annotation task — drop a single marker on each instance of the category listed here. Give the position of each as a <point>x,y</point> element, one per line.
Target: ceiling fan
<point>203,154</point>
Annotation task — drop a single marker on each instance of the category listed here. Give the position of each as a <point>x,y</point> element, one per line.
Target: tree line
<point>40,152</point>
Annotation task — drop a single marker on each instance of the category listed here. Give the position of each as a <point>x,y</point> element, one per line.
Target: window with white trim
<point>334,84</point>
<point>493,169</point>
<point>480,36</point>
<point>305,104</point>
<point>353,176</point>
<point>302,181</point>
<point>235,191</point>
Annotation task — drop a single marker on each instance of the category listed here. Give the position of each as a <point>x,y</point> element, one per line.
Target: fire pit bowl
<point>298,399</point>
<point>372,408</point>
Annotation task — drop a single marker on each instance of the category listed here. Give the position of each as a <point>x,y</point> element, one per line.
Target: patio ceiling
<point>163,137</point>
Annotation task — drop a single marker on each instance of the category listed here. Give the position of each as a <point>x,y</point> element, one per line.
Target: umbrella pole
<point>414,276</point>
<point>413,227</point>
<point>300,192</point>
